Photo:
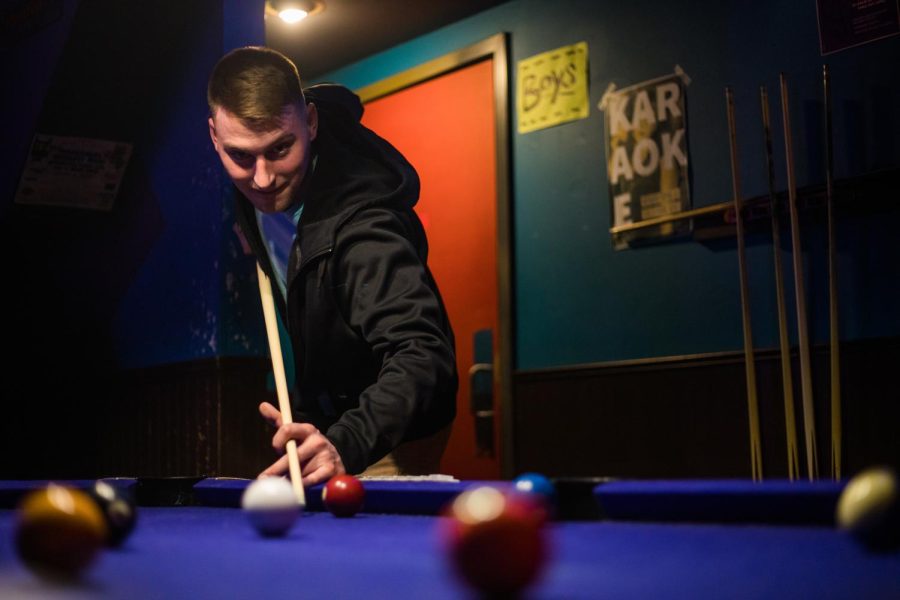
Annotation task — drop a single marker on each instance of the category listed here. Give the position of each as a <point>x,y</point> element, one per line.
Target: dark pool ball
<point>118,508</point>
<point>59,531</point>
<point>343,495</point>
<point>496,542</point>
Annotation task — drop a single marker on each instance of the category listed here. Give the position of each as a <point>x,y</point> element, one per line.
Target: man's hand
<point>319,459</point>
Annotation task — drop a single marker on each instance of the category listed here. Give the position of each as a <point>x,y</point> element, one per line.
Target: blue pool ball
<point>535,484</point>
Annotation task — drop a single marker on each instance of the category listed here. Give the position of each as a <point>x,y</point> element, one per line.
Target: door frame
<point>496,49</point>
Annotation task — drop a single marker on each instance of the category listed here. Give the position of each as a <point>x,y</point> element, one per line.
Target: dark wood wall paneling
<point>183,420</point>
<point>194,419</point>
<point>687,417</point>
<point>660,418</point>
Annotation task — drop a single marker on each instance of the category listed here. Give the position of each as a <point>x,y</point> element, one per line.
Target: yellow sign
<point>552,88</point>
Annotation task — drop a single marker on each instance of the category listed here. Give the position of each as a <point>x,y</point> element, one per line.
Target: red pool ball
<point>496,542</point>
<point>343,495</point>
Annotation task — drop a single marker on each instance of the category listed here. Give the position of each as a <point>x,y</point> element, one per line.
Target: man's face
<point>266,166</point>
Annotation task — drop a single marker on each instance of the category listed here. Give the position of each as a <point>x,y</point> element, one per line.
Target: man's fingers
<point>292,431</point>
<point>270,414</point>
<point>282,467</point>
<point>319,474</point>
<point>319,460</point>
<point>307,457</point>
<point>322,473</point>
<point>279,467</point>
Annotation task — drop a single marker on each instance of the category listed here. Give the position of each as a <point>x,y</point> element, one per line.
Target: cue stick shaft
<point>835,361</point>
<point>809,423</point>
<point>284,402</point>
<point>790,421</point>
<point>750,367</point>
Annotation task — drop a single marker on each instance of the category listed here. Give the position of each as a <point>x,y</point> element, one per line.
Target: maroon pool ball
<point>343,495</point>
<point>496,542</point>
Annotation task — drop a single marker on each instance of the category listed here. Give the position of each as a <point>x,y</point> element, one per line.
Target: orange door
<point>445,127</point>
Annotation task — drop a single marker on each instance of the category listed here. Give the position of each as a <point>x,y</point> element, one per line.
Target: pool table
<point>710,539</point>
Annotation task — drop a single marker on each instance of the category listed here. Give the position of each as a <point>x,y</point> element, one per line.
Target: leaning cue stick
<point>790,422</point>
<point>284,403</point>
<point>752,404</point>
<point>809,423</point>
<point>835,366</point>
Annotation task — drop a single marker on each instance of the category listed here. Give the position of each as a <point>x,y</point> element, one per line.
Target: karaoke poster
<point>647,158</point>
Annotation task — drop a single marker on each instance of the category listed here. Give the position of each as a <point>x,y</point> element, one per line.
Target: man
<point>375,358</point>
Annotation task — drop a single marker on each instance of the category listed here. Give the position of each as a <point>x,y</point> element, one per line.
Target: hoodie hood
<point>355,169</point>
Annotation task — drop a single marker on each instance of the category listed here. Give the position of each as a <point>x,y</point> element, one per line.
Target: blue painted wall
<point>162,277</point>
<point>28,62</point>
<point>577,300</point>
<point>190,297</point>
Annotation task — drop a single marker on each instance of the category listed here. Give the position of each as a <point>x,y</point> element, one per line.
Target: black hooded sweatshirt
<point>375,355</point>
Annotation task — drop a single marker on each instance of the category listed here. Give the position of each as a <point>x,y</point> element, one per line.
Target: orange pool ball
<point>59,531</point>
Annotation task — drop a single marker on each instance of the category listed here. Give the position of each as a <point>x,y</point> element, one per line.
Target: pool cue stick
<point>835,363</point>
<point>750,368</point>
<point>809,423</point>
<point>284,402</point>
<point>790,421</point>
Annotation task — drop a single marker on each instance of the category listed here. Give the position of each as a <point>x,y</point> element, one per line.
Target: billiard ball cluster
<point>496,540</point>
<point>272,508</point>
<point>60,530</point>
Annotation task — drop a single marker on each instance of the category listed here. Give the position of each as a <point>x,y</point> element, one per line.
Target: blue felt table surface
<point>192,552</point>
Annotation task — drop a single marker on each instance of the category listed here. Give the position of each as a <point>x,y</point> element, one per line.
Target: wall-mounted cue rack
<point>869,193</point>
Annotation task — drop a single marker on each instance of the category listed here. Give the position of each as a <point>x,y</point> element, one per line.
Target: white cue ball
<point>271,506</point>
<point>867,502</point>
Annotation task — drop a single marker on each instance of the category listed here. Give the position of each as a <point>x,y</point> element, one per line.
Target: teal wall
<point>577,300</point>
<point>163,279</point>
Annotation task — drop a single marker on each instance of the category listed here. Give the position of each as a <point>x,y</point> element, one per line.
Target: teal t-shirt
<point>278,231</point>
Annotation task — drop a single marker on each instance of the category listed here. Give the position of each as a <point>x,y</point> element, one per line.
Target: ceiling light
<point>293,11</point>
<point>292,15</point>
